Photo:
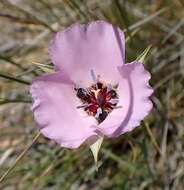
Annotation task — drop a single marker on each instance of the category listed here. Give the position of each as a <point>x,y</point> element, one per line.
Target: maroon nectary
<point>96,100</point>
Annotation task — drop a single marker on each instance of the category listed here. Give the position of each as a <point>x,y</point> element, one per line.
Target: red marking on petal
<point>97,96</point>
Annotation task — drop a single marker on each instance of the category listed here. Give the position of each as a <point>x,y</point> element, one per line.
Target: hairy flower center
<point>98,100</point>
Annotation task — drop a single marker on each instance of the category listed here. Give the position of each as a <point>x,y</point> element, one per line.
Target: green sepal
<point>45,68</point>
<point>143,55</point>
<point>95,147</point>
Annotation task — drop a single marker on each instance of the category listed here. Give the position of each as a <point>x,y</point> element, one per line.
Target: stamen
<point>118,107</point>
<point>82,106</point>
<point>93,76</point>
<point>115,86</point>
<point>114,101</point>
<point>99,111</point>
<point>82,94</point>
<point>109,87</point>
<point>99,99</point>
<point>102,116</point>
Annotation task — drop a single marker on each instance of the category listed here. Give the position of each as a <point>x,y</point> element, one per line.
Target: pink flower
<point>92,92</point>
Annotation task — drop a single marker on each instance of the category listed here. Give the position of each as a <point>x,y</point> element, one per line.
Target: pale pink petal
<point>98,46</point>
<point>134,92</point>
<point>55,110</point>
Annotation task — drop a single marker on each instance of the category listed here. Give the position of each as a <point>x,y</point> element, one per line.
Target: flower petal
<point>98,46</point>
<point>134,92</point>
<point>55,110</point>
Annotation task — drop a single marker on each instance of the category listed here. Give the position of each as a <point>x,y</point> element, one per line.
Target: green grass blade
<point>9,60</point>
<point>15,79</point>
<point>7,101</point>
<point>148,19</point>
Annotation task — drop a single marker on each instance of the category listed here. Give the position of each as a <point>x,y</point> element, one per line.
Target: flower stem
<point>19,157</point>
<point>152,138</point>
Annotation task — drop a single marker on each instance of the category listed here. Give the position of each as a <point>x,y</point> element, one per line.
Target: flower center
<point>98,100</point>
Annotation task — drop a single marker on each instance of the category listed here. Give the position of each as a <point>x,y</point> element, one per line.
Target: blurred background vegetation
<point>149,158</point>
